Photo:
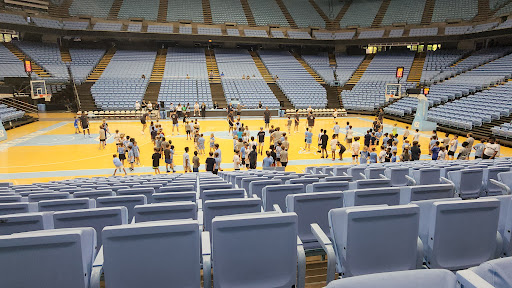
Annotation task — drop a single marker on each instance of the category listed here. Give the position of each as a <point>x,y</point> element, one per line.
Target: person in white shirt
<point>334,146</point>
<point>137,105</point>
<point>382,154</point>
<point>196,109</point>
<point>186,161</point>
<point>406,132</point>
<point>355,150</point>
<point>416,136</point>
<point>236,160</point>
<point>335,115</point>
<point>309,110</point>
<point>491,149</point>
<point>171,107</point>
<point>454,144</point>
<point>350,135</point>
<point>336,129</point>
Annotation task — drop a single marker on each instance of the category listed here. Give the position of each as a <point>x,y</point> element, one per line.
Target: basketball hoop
<point>47,97</point>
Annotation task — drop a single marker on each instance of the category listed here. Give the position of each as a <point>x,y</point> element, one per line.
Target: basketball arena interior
<point>349,143</point>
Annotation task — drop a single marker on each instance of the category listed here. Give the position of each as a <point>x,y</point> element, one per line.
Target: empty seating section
<point>134,27</point>
<point>75,25</point>
<point>296,83</point>
<point>147,9</point>
<point>404,11</point>
<point>235,64</point>
<point>361,13</point>
<point>185,77</point>
<point>396,33</point>
<point>344,35</point>
<point>9,113</point>
<point>404,106</point>
<point>457,30</point>
<point>209,31</point>
<point>494,4</point>
<point>47,23</point>
<point>505,10</point>
<point>108,26</point>
<point>10,66</point>
<point>438,61</point>
<point>227,11</point>
<point>165,29</point>
<point>12,18</point>
<point>505,25</point>
<point>185,10</point>
<point>449,10</point>
<point>47,55</point>
<point>322,35</point>
<point>233,32</point>
<point>277,34</point>
<point>424,31</point>
<point>483,27</point>
<point>256,33</point>
<point>96,8</point>
<point>369,93</point>
<point>346,66</point>
<point>504,130</point>
<point>304,14</point>
<point>371,34</point>
<point>185,29</point>
<point>122,84</point>
<point>330,8</point>
<point>267,12</point>
<point>298,34</point>
<point>83,62</point>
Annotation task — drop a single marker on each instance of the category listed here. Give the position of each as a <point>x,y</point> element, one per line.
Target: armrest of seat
<point>362,175</point>
<point>207,265</point>
<point>469,279</point>
<point>383,177</point>
<point>301,264</point>
<point>419,256</point>
<point>97,269</point>
<point>411,180</point>
<point>326,244</point>
<point>499,245</point>
<point>345,174</point>
<point>448,181</point>
<point>277,208</point>
<point>505,188</point>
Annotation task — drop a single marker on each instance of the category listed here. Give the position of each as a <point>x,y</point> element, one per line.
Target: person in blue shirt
<point>393,158</point>
<point>309,138</point>
<point>200,144</point>
<point>435,151</point>
<point>378,135</point>
<point>479,149</point>
<point>268,161</point>
<point>118,165</point>
<point>77,125</point>
<point>364,155</point>
<point>373,156</point>
<point>385,140</point>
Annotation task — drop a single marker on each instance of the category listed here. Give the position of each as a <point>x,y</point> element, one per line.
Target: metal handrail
<point>18,104</point>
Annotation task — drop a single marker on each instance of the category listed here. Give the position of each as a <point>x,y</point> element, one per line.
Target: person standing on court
<point>297,120</point>
<point>203,110</point>
<point>84,122</point>
<point>196,109</point>
<point>143,120</point>
<point>311,121</point>
<point>471,141</point>
<point>266,117</point>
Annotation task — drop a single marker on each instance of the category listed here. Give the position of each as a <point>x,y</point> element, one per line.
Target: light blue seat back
<point>247,181</point>
<point>313,208</point>
<point>356,171</point>
<point>256,187</point>
<point>372,196</point>
<point>66,204</point>
<point>507,232</point>
<point>327,170</point>
<point>496,272</point>
<point>176,188</point>
<point>303,181</point>
<point>426,176</point>
<point>276,194</point>
<point>119,187</point>
<point>468,182</point>
<point>148,192</point>
<point>340,170</point>
<point>215,186</point>
<point>238,180</point>
<point>370,183</point>
<point>397,176</point>
<point>143,187</point>
<point>462,234</point>
<point>48,196</point>
<point>223,194</point>
<point>505,178</point>
<point>425,192</point>
<point>492,173</point>
<point>74,190</point>
<point>165,211</point>
<point>52,258</point>
<point>327,186</point>
<point>94,194</point>
<point>336,178</point>
<point>375,239</point>
<point>448,169</point>
<point>264,244</point>
<point>152,253</point>
<point>214,208</point>
<point>374,172</point>
<point>97,218</point>
<point>285,178</point>
<point>10,199</point>
<point>174,197</point>
<point>127,201</point>
<point>25,222</point>
<point>421,278</point>
<point>19,207</point>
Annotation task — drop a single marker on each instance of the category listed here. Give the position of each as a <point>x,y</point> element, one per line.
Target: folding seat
<point>425,176</point>
<point>303,181</point>
<point>238,181</point>
<point>177,188</point>
<point>256,187</point>
<point>341,170</point>
<point>285,178</point>
<point>127,201</point>
<point>97,218</point>
<point>397,176</point>
<point>357,172</point>
<point>317,175</point>
<point>272,254</point>
<point>468,182</point>
<point>370,183</point>
<point>493,273</point>
<point>213,187</point>
<point>336,178</point>
<point>223,194</point>
<point>463,234</point>
<point>327,170</point>
<point>27,193</point>
<point>276,195</point>
<point>74,190</point>
<point>66,204</point>
<point>19,207</point>
<point>94,194</point>
<point>505,223</point>
<point>214,208</point>
<point>313,208</point>
<point>148,192</point>
<point>328,186</point>
<point>25,222</point>
<point>374,172</point>
<point>421,278</point>
<point>426,192</point>
<point>12,198</point>
<point>52,258</point>
<point>372,196</point>
<point>145,186</point>
<point>174,197</point>
<point>48,196</point>
<point>170,254</point>
<point>166,211</point>
<point>504,182</point>
<point>371,239</point>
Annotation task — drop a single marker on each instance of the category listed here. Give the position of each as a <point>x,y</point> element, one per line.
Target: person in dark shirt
<point>261,140</point>
<point>273,154</point>
<point>311,121</point>
<point>253,158</point>
<point>203,110</point>
<point>156,161</point>
<point>143,120</point>
<point>324,138</point>
<point>415,151</point>
<point>84,122</point>
<point>367,139</point>
<point>210,163</point>
<point>266,117</point>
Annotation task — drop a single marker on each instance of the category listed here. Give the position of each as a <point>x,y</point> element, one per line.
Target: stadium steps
<point>261,67</point>
<point>152,92</point>
<point>499,7</point>
<point>359,72</point>
<point>286,104</point>
<point>484,11</point>
<point>20,55</point>
<point>417,68</point>
<point>321,13</point>
<point>87,102</point>
<point>287,15</point>
<point>332,60</point>
<point>484,131</point>
<point>248,13</point>
<point>218,95</point>
<point>59,10</point>
<point>333,96</point>
<point>211,66</point>
<point>114,10</point>
<point>340,15</point>
<point>380,14</point>
<point>207,12</point>
<point>159,67</point>
<point>426,18</point>
<point>102,65</point>
<point>461,59</point>
<point>162,11</point>
<point>64,54</point>
<point>308,68</point>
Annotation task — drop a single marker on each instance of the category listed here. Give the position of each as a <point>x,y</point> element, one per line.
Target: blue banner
<point>420,120</point>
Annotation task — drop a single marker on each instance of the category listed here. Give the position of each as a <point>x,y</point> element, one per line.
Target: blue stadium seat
<point>492,172</point>
<point>25,222</point>
<point>47,196</point>
<point>215,208</point>
<point>165,211</point>
<point>223,194</point>
<point>374,172</point>
<point>328,186</point>
<point>426,176</point>
<point>372,196</point>
<point>177,188</point>
<point>213,186</point>
<point>135,190</point>
<point>336,178</point>
<point>174,197</point>
<point>426,192</point>
<point>14,208</point>
<point>66,204</point>
<point>13,198</point>
<point>127,201</point>
<point>397,176</point>
<point>94,194</point>
<point>370,183</point>
<point>468,182</point>
<point>256,187</point>
<point>276,195</point>
<point>490,274</point>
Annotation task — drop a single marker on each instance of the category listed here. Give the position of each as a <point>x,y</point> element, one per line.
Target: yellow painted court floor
<point>50,150</point>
